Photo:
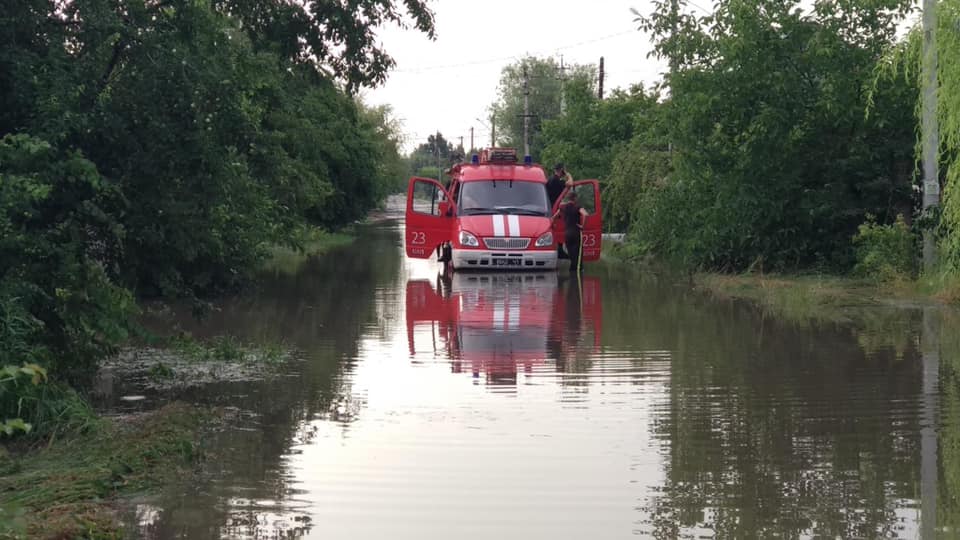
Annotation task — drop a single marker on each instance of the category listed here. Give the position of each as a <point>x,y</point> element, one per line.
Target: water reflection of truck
<point>495,214</point>
<point>498,324</point>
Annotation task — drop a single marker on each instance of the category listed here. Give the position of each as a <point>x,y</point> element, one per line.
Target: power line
<point>512,57</point>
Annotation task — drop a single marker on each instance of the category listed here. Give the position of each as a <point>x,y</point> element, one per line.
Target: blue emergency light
<point>475,159</point>
<point>527,160</point>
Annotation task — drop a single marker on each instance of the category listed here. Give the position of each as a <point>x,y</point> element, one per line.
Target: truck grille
<point>506,243</point>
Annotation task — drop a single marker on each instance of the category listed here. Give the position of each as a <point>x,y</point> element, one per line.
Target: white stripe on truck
<point>514,225</point>
<point>497,225</point>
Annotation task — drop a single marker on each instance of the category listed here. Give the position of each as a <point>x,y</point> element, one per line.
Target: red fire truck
<point>500,323</point>
<point>495,214</point>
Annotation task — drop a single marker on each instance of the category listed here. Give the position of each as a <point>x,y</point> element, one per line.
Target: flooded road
<point>533,406</point>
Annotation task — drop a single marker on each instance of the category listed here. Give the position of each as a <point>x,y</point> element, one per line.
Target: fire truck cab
<point>495,214</point>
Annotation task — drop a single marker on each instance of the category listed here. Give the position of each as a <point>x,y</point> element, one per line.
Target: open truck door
<point>588,196</point>
<point>429,217</point>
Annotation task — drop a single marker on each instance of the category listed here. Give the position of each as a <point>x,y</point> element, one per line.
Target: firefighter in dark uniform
<point>560,180</point>
<point>573,215</point>
<point>556,183</point>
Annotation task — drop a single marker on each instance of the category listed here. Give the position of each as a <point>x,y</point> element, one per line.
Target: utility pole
<point>674,18</point>
<point>563,97</point>
<point>600,93</point>
<point>929,130</point>
<point>526,113</point>
<point>436,144</point>
<point>471,138</point>
<point>493,130</point>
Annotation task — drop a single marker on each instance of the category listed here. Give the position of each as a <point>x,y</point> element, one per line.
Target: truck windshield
<point>503,197</point>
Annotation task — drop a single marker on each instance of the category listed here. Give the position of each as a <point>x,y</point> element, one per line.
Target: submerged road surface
<point>529,406</point>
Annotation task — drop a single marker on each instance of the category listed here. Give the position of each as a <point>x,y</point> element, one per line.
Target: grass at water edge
<point>69,488</point>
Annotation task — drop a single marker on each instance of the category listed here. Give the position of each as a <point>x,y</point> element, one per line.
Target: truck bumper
<point>479,259</point>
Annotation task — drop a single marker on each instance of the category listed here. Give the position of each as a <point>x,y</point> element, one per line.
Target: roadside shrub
<point>885,252</point>
<point>60,306</point>
<point>30,403</point>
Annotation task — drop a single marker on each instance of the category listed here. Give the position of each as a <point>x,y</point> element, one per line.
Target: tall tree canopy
<point>434,155</point>
<point>774,159</point>
<point>180,137</point>
<point>545,81</point>
<point>590,136</point>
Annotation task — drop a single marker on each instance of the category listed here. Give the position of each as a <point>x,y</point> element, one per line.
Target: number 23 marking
<point>589,240</point>
<point>419,238</point>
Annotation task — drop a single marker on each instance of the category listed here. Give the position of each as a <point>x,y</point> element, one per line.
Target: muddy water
<point>533,406</point>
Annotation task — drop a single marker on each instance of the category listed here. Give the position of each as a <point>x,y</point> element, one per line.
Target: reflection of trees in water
<point>323,312</point>
<point>772,429</point>
<point>948,497</point>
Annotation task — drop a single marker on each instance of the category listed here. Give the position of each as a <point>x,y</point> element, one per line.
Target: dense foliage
<point>595,139</point>
<point>437,153</point>
<point>157,147</point>
<point>547,84</point>
<point>885,252</point>
<point>770,143</point>
<point>775,161</point>
<point>948,42</point>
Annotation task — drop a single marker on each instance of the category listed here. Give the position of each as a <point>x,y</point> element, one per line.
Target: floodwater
<point>534,406</point>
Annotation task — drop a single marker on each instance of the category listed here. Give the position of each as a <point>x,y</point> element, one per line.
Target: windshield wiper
<point>521,211</point>
<point>480,211</point>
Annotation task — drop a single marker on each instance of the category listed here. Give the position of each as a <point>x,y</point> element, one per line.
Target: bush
<point>60,307</point>
<point>885,252</point>
<point>30,403</point>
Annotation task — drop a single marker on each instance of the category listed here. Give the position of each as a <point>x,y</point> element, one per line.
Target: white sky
<point>448,83</point>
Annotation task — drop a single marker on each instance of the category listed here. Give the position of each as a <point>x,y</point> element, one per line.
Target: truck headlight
<point>546,239</point>
<point>469,240</point>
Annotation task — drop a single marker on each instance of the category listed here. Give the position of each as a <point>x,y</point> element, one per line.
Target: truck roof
<point>469,172</point>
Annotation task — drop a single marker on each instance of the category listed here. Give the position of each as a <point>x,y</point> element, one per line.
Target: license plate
<point>506,262</point>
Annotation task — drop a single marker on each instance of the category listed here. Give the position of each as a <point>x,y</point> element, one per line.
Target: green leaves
<point>335,37</point>
<point>35,373</point>
<point>773,158</point>
<point>10,427</point>
<point>885,252</point>
<point>544,100</point>
<point>592,134</point>
<point>158,147</point>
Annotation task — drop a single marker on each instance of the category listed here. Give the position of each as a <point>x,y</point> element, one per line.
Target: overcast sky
<point>448,83</point>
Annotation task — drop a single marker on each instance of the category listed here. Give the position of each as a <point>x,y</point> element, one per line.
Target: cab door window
<point>426,198</point>
<point>586,197</point>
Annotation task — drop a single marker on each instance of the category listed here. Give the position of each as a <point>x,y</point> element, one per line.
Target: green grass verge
<point>796,298</point>
<point>811,296</point>
<point>287,260</point>
<point>227,348</point>
<point>68,488</point>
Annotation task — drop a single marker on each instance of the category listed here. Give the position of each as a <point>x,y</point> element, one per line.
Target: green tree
<point>59,247</point>
<point>178,137</point>
<point>906,60</point>
<point>426,154</point>
<point>337,38</point>
<point>948,40</point>
<point>593,132</point>
<point>774,158</point>
<point>545,99</point>
<point>392,166</point>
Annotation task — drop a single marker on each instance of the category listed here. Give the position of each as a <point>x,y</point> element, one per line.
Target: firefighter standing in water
<point>560,180</point>
<point>573,215</point>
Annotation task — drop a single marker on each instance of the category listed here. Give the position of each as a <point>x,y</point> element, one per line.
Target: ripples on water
<point>533,406</point>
